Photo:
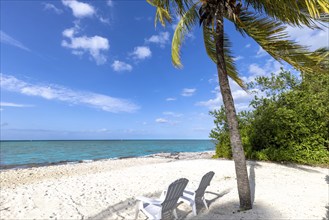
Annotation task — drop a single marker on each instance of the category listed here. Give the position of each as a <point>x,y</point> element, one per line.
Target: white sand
<point>106,189</point>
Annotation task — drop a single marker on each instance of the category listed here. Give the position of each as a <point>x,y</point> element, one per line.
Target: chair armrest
<point>149,200</point>
<point>189,191</point>
<point>163,195</point>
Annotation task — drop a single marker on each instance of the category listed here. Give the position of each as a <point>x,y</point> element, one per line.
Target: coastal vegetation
<point>265,22</point>
<point>289,120</point>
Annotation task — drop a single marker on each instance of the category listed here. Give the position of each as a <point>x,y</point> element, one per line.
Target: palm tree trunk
<point>235,138</point>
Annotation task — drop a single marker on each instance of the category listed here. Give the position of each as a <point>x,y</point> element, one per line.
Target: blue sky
<point>101,70</point>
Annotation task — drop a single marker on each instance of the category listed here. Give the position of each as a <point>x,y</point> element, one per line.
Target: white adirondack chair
<point>191,197</point>
<point>165,207</point>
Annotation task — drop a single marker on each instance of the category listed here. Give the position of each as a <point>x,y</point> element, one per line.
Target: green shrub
<point>221,133</point>
<point>290,123</point>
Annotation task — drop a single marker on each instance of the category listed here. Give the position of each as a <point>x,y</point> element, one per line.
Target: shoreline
<point>59,163</point>
<point>21,176</point>
<point>107,189</point>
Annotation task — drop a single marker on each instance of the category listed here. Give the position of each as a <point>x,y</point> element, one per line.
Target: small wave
<point>87,161</point>
<point>31,165</point>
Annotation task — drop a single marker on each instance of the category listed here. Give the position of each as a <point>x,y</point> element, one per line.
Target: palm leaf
<point>322,55</point>
<point>181,6</point>
<point>272,37</point>
<point>209,42</point>
<point>185,24</point>
<point>296,13</point>
<point>162,11</point>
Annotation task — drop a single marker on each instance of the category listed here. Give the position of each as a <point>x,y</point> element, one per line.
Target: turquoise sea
<point>22,154</point>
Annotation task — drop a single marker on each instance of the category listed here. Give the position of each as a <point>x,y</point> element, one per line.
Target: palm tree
<point>263,20</point>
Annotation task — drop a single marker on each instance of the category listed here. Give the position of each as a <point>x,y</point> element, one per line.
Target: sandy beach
<point>107,189</point>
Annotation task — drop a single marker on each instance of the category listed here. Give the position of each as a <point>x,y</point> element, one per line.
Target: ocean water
<point>37,153</point>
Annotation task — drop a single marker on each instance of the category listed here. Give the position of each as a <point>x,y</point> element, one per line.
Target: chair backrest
<point>175,190</point>
<point>205,182</point>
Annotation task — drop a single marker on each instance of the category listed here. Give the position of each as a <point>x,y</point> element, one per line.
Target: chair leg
<point>137,211</point>
<point>194,209</point>
<point>205,203</point>
<point>175,213</point>
<point>139,205</point>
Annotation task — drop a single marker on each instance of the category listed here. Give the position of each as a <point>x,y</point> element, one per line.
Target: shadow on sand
<point>300,167</point>
<point>113,212</point>
<point>327,214</point>
<point>127,206</point>
<point>327,206</point>
<point>228,210</point>
<point>186,213</point>
<point>126,209</point>
<point>252,178</point>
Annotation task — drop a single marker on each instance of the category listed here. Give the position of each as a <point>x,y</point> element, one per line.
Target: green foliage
<point>290,121</point>
<point>221,133</point>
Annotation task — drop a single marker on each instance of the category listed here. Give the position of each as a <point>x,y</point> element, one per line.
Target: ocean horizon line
<point>145,139</point>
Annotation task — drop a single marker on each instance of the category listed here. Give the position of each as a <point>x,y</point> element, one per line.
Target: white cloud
<point>105,130</point>
<point>10,104</point>
<point>161,39</point>
<point>161,120</point>
<point>238,58</point>
<point>240,94</point>
<point>141,53</point>
<point>95,45</point>
<point>60,93</point>
<point>79,9</point>
<point>314,39</point>
<point>255,70</point>
<point>69,32</point>
<point>241,98</point>
<point>166,121</point>
<point>110,3</point>
<point>173,114</point>
<point>51,7</point>
<point>188,92</point>
<point>171,99</point>
<point>270,66</point>
<point>242,107</point>
<point>6,39</point>
<point>120,66</point>
<point>213,103</point>
<point>213,80</point>
<point>104,20</point>
<point>261,52</point>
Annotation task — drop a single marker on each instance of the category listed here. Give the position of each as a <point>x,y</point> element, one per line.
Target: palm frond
<point>181,6</point>
<point>315,7</point>
<point>209,42</point>
<point>272,37</point>
<point>296,13</point>
<point>322,55</point>
<point>162,11</point>
<point>230,63</point>
<point>185,24</point>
